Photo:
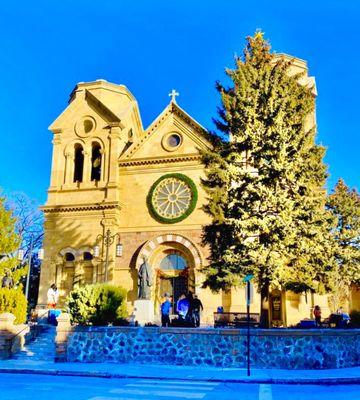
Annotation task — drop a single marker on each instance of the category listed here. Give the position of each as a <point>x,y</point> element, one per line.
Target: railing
<point>235,319</point>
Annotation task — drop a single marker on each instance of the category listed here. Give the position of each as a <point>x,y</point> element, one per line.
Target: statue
<point>145,280</point>
<point>7,281</point>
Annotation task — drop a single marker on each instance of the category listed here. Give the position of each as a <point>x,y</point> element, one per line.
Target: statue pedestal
<point>143,311</point>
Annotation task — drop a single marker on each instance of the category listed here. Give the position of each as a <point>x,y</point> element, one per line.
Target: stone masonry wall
<point>289,349</point>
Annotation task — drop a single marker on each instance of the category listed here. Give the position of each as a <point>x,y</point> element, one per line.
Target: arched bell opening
<point>78,163</point>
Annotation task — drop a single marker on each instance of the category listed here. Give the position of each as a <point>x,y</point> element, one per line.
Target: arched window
<point>96,162</point>
<point>78,163</point>
<point>69,257</point>
<point>173,261</point>
<point>87,256</point>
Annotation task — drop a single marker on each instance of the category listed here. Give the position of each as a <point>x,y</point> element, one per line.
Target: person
<point>190,316</point>
<point>7,281</point>
<point>165,310</point>
<point>196,308</point>
<point>52,296</point>
<point>317,315</point>
<point>345,318</point>
<point>182,307</point>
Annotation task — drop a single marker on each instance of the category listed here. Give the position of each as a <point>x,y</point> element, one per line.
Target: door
<point>175,287</point>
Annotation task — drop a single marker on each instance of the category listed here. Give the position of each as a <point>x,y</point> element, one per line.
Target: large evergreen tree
<point>265,180</point>
<point>344,203</point>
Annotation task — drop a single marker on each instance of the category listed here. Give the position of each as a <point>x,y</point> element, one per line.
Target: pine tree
<point>265,181</point>
<point>9,242</point>
<point>344,204</point>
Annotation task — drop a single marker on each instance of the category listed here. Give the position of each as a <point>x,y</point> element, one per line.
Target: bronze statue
<point>145,280</point>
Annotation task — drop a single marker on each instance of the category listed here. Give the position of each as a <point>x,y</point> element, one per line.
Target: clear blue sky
<point>46,47</point>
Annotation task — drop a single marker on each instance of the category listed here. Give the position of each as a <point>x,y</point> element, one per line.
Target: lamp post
<point>108,240</point>
<point>21,258</point>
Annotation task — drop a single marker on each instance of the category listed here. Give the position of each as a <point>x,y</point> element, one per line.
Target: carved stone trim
<point>127,163</point>
<point>94,207</point>
<point>149,247</point>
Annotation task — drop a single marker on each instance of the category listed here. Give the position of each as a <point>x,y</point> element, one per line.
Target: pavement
<point>183,373</point>
<point>45,387</point>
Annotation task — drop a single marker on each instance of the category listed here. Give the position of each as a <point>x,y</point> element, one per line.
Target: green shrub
<point>14,302</point>
<point>355,318</point>
<point>99,304</point>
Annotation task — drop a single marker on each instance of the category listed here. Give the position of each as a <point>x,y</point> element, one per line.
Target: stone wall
<point>12,337</point>
<point>289,349</point>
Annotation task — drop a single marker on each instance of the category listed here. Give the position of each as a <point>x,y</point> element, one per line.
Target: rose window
<point>172,198</point>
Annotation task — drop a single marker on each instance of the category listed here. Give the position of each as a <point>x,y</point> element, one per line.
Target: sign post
<point>249,295</point>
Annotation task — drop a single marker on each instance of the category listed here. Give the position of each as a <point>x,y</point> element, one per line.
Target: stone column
<point>63,331</point>
<point>87,166</point>
<point>102,168</point>
<point>57,159</point>
<point>69,168</point>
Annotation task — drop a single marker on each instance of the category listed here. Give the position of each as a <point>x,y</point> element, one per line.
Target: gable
<point>173,134</point>
<point>114,104</point>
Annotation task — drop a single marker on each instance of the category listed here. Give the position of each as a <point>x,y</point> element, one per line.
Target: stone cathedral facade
<point>113,179</point>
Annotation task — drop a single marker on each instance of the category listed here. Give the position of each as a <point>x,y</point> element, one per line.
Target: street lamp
<point>108,240</point>
<point>20,257</point>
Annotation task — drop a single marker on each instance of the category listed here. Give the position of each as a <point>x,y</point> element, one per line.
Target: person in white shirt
<point>52,296</point>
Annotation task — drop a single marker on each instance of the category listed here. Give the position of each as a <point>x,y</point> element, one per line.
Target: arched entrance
<point>172,275</point>
<point>173,260</point>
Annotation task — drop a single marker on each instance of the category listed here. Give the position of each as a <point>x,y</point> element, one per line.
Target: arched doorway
<point>174,260</point>
<point>173,276</point>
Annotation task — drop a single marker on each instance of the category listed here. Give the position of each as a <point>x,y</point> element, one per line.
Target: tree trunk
<point>265,305</point>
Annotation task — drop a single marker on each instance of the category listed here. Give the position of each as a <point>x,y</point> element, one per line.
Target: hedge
<point>99,304</point>
<point>13,301</point>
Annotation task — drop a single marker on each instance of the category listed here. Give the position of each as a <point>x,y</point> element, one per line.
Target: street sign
<point>248,278</point>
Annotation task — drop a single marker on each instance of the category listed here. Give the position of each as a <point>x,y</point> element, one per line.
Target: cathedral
<point>120,194</point>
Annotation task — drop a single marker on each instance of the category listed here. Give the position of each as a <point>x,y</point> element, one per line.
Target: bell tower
<point>99,124</point>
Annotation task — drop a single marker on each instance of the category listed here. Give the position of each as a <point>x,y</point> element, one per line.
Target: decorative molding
<point>148,161</point>
<point>148,248</point>
<point>93,207</point>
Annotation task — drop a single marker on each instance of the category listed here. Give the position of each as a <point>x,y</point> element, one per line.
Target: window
<point>96,162</point>
<point>69,257</point>
<point>78,163</point>
<point>87,256</point>
<point>173,261</point>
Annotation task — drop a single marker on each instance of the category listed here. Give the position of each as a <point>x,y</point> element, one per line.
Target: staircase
<point>40,349</point>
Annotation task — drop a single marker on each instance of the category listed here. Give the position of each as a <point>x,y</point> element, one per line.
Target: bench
<point>235,319</point>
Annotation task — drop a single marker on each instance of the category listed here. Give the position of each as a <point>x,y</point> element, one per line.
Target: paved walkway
<point>211,374</point>
<point>85,388</point>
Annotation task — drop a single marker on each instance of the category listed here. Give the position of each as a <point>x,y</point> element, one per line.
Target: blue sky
<point>46,47</point>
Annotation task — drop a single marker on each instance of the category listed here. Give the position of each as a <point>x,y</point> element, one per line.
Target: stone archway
<point>173,280</point>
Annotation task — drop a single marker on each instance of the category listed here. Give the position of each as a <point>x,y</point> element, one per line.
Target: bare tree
<point>29,220</point>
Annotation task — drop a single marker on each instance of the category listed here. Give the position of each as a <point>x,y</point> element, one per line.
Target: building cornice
<point>159,160</point>
<point>80,207</point>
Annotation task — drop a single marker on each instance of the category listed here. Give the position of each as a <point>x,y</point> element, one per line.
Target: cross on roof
<point>173,95</point>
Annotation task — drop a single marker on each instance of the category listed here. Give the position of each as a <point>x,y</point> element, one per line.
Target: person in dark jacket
<point>165,310</point>
<point>197,307</point>
<point>317,315</point>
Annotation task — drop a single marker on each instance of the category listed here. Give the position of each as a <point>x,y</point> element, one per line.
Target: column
<point>69,168</point>
<point>57,160</point>
<point>87,165</point>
